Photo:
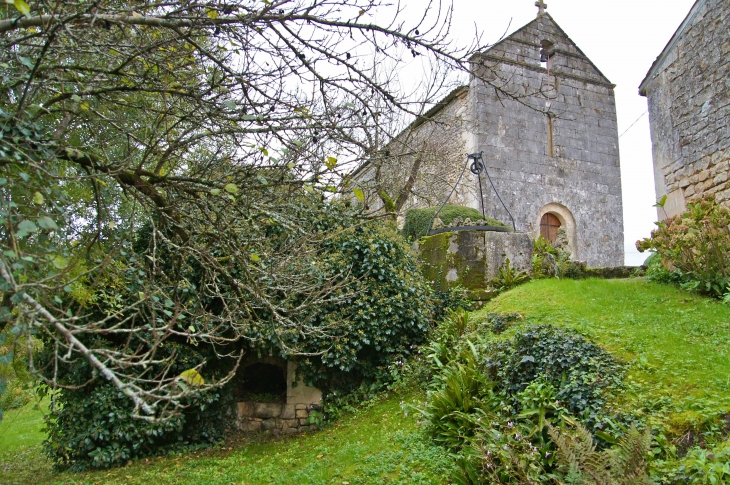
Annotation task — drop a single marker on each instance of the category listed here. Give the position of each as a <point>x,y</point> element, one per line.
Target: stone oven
<point>270,398</point>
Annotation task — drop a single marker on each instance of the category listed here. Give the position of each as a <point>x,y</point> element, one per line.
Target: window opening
<point>550,147</point>
<point>263,383</point>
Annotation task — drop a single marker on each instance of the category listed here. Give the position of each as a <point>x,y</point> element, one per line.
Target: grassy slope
<point>678,342</point>
<point>377,445</point>
<point>679,345</point>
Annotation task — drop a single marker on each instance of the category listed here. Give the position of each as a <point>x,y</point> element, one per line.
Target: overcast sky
<point>622,38</point>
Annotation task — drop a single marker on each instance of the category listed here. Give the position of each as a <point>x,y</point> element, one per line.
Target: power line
<point>632,124</point>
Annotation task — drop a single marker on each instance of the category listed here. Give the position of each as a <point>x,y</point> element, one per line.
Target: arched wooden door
<point>549,225</point>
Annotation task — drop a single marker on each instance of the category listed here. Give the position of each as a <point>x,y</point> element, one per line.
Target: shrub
<point>462,398</point>
<point>418,220</point>
<point>508,277</point>
<point>580,371</point>
<point>695,247</point>
<point>92,426</point>
<point>544,259</point>
<point>453,299</point>
<point>384,313</point>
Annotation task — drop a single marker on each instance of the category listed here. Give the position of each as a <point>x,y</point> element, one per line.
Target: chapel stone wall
<point>574,162</point>
<point>689,110</point>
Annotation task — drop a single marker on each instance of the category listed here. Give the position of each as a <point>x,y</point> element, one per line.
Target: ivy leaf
<point>264,151</point>
<point>192,377</point>
<point>359,194</point>
<point>213,14</point>
<point>291,165</point>
<point>262,179</point>
<point>22,7</point>
<point>47,223</point>
<point>231,188</point>
<point>215,191</point>
<point>309,188</point>
<point>7,358</point>
<point>38,198</point>
<point>59,262</point>
<point>331,162</point>
<point>26,62</point>
<point>27,226</point>
<point>84,106</point>
<point>230,104</point>
<point>255,257</point>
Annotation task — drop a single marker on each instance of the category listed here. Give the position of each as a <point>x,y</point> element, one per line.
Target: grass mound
<point>677,344</point>
<point>417,220</point>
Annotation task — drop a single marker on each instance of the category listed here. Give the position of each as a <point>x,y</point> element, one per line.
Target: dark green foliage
<point>694,247</point>
<point>462,398</point>
<point>93,427</point>
<point>384,313</point>
<point>499,322</point>
<point>418,220</point>
<point>544,259</point>
<point>508,277</point>
<point>453,299</point>
<point>573,270</point>
<point>579,370</point>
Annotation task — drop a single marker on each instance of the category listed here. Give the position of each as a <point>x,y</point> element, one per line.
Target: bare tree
<point>198,124</point>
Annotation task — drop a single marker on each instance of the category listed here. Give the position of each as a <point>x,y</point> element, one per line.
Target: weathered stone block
<point>268,424</point>
<point>302,413</point>
<point>291,423</point>
<point>471,259</point>
<point>300,406</point>
<point>267,409</point>
<point>245,409</point>
<point>303,422</point>
<point>288,411</point>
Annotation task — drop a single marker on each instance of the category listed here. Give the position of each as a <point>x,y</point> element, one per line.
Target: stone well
<point>471,258</point>
<point>288,408</point>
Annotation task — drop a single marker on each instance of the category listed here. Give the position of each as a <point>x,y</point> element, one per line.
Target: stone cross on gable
<point>542,6</point>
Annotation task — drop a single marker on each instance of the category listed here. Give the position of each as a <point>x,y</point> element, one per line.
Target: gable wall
<point>689,109</point>
<point>442,146</point>
<point>584,174</point>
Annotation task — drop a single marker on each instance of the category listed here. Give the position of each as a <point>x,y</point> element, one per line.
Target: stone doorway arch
<point>554,216</point>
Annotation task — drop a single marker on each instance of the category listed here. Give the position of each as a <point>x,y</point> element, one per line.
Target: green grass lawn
<point>377,445</point>
<point>678,343</point>
<point>677,346</point>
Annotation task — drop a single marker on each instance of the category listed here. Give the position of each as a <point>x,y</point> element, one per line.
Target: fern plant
<point>624,464</point>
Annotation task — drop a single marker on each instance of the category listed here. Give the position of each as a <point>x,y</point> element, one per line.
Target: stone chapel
<point>544,118</point>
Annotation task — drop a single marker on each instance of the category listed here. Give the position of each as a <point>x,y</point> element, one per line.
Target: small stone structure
<point>471,259</point>
<point>688,91</point>
<point>290,413</point>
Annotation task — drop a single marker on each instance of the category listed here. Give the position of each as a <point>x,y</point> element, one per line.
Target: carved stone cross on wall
<point>542,6</point>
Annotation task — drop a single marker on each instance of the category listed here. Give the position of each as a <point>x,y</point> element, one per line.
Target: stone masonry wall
<point>275,417</point>
<point>689,110</point>
<point>472,259</point>
<point>441,146</point>
<point>291,416</point>
<point>582,173</point>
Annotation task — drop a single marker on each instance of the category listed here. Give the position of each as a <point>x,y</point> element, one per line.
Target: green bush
<point>694,247</point>
<point>579,370</point>
<point>418,220</point>
<point>385,312</point>
<point>453,299</point>
<point>93,426</point>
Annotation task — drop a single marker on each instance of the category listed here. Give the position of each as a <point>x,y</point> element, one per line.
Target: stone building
<point>544,117</point>
<point>270,397</point>
<point>688,92</point>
